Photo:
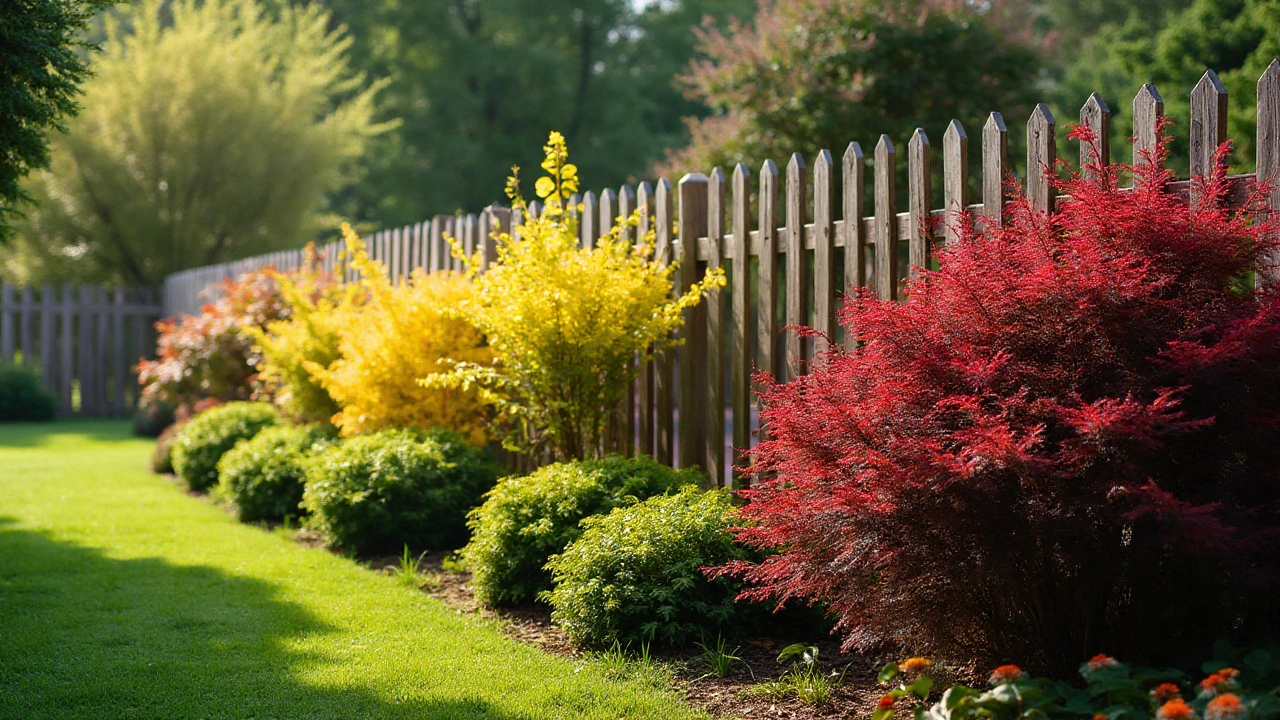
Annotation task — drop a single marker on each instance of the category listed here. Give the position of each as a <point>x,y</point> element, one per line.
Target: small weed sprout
<point>618,664</point>
<point>407,573</point>
<point>805,680</point>
<point>719,660</point>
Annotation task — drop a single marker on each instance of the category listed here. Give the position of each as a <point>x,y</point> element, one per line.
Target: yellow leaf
<point>544,187</point>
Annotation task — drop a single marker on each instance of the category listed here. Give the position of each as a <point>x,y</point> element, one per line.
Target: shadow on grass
<point>39,434</point>
<point>88,636</point>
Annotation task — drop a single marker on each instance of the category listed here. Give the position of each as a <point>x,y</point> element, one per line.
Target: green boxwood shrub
<point>162,453</point>
<point>526,519</point>
<point>22,396</point>
<point>262,478</point>
<point>208,436</point>
<point>634,576</point>
<point>379,492</point>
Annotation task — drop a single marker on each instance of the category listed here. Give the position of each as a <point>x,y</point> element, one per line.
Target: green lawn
<point>121,597</point>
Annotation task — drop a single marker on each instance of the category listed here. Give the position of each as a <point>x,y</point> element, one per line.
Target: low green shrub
<point>381,492</point>
<point>22,396</point>
<point>635,574</point>
<point>526,519</point>
<point>262,477</point>
<point>1111,690</point>
<point>162,453</point>
<point>208,436</point>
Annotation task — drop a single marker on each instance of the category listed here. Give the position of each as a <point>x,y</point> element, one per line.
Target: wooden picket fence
<point>787,254</point>
<point>86,341</point>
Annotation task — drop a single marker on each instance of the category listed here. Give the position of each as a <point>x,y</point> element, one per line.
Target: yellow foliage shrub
<point>565,323</point>
<point>308,336</point>
<point>396,335</point>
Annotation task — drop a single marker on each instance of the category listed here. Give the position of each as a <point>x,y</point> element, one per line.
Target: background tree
<point>813,74</point>
<point>209,132</point>
<point>40,70</point>
<point>480,83</point>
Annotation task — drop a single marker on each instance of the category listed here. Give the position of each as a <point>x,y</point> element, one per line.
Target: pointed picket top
<point>1148,108</point>
<point>664,214</point>
<point>886,219</point>
<point>1208,122</point>
<point>853,173</point>
<point>955,176</point>
<point>825,282</point>
<point>919,193</point>
<point>1268,156</point>
<point>1042,156</point>
<point>608,210</point>
<point>1097,116</point>
<point>795,166</point>
<point>590,222</point>
<point>716,197</point>
<point>769,174</point>
<point>995,164</point>
<point>884,146</point>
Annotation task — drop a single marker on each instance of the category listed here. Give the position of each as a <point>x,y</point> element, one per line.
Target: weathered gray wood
<point>435,245</point>
<point>797,264</point>
<point>26,319</point>
<point>740,287</point>
<point>620,208</point>
<point>535,210</point>
<point>590,220</point>
<point>83,368</point>
<point>100,361</point>
<point>694,411</point>
<point>626,206</point>
<point>1148,108</point>
<point>825,280</point>
<point>1208,126</point>
<point>646,411</point>
<point>1042,158</point>
<point>1268,157</point>
<point>995,164</point>
<point>664,363</point>
<point>717,314</point>
<point>1096,116</point>
<point>955,178</point>
<point>8,314</point>
<point>919,193</point>
<point>853,197</point>
<point>767,320</point>
<point>120,358</point>
<point>886,219</point>
<point>66,350</point>
<point>486,246</point>
<point>608,211</point>
<point>470,236</point>
<point>397,259</point>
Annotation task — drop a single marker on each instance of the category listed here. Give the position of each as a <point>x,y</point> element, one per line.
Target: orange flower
<point>1100,716</point>
<point>1164,692</point>
<point>915,664</point>
<point>1006,673</point>
<point>886,703</point>
<point>1175,709</point>
<point>1099,661</point>
<point>1222,680</point>
<point>1224,707</point>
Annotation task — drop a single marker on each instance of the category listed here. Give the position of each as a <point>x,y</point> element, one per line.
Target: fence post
<point>955,179</point>
<point>1042,157</point>
<point>694,196</point>
<point>886,223</point>
<point>740,286</point>
<point>825,279</point>
<point>995,163</point>
<point>919,194</point>
<point>664,363</point>
<point>1096,116</point>
<point>1148,108</point>
<point>1268,156</point>
<point>797,264</point>
<point>713,454</point>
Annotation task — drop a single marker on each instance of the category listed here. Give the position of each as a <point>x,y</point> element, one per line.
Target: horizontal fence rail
<point>86,341</point>
<point>791,240</point>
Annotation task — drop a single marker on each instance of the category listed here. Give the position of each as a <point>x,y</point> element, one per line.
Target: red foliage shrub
<point>209,356</point>
<point>1066,440</point>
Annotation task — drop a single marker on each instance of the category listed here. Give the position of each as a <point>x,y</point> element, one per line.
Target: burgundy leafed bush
<point>1066,441</point>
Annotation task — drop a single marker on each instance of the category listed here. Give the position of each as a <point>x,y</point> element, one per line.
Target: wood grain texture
<point>1096,116</point>
<point>1208,125</point>
<point>920,193</point>
<point>797,264</point>
<point>742,325</point>
<point>646,410</point>
<point>664,386</point>
<point>886,211</point>
<point>826,283</point>
<point>590,220</point>
<point>767,227</point>
<point>995,166</point>
<point>1268,157</point>
<point>853,201</point>
<point>955,178</point>
<point>713,451</point>
<point>1042,157</point>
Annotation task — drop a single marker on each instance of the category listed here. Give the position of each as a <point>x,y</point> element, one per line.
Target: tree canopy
<point>41,67</point>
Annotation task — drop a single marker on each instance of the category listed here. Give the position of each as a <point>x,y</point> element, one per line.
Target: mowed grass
<point>121,597</point>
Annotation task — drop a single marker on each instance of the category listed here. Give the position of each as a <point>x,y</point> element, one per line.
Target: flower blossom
<point>1226,706</point>
<point>1164,692</point>
<point>915,664</point>
<point>1100,661</point>
<point>1175,709</point>
<point>1006,673</point>
<point>1224,679</point>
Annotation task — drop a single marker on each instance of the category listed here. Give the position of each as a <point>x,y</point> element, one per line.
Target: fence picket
<point>1268,154</point>
<point>1096,116</point>
<point>7,317</point>
<point>825,279</point>
<point>995,164</point>
<point>955,178</point>
<point>646,433</point>
<point>1042,157</point>
<point>1148,108</point>
<point>664,385</point>
<point>713,454</point>
<point>767,324</point>
<point>853,200</point>
<point>590,223</point>
<point>919,194</point>
<point>1208,126</point>
<point>693,354</point>
<point>886,222</point>
<point>740,287</point>
<point>797,264</point>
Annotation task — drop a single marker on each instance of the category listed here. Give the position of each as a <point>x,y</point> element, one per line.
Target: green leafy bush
<point>635,574</point>
<point>380,492</point>
<point>22,396</point>
<point>1111,690</point>
<point>525,520</point>
<point>162,453</point>
<point>209,435</point>
<point>262,477</point>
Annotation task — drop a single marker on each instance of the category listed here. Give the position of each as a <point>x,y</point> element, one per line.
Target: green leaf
<point>882,714</point>
<point>888,673</point>
<point>921,687</point>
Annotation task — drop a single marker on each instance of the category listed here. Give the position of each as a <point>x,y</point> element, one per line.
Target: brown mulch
<point>725,698</point>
